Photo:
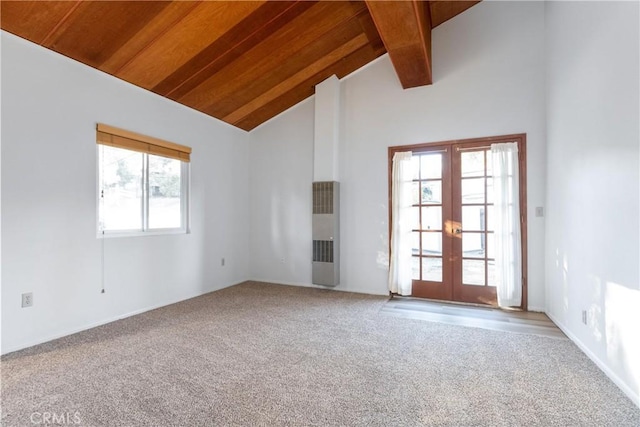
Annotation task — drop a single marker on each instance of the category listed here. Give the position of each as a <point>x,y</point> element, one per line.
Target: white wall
<point>50,106</point>
<point>592,236</point>
<point>489,80</point>
<point>281,165</point>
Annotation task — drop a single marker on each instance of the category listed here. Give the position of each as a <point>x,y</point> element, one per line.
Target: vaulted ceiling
<point>242,62</point>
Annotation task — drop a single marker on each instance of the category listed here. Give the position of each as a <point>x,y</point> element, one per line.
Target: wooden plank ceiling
<point>240,61</point>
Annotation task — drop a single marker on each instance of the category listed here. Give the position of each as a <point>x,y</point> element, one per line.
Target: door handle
<point>457,230</point>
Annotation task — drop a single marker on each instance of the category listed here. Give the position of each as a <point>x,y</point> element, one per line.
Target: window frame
<point>185,186</point>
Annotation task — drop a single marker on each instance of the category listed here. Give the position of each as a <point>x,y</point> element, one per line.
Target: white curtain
<point>506,195</point>
<point>400,257</point>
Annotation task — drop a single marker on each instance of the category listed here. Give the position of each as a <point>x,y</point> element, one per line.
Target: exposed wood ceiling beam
<point>405,29</point>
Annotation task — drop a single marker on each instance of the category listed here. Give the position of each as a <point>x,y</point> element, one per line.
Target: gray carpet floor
<point>268,355</point>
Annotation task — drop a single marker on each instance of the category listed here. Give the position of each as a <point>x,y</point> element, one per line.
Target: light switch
<point>539,211</point>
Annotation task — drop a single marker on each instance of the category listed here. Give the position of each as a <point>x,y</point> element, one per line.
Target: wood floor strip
<point>471,316</point>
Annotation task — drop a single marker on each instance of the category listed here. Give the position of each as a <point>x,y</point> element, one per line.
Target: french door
<point>453,256</point>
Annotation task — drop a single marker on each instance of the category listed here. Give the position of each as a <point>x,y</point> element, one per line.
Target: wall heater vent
<point>326,233</point>
<point>323,251</point>
<point>323,197</point>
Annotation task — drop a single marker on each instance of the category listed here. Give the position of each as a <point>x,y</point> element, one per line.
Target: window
<point>142,184</point>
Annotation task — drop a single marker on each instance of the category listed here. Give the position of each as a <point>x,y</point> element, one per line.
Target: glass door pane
<point>432,269</point>
<point>474,271</point>
<point>429,202</point>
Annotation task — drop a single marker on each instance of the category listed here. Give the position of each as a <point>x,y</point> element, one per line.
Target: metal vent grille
<point>325,233</point>
<point>323,250</point>
<point>323,197</point>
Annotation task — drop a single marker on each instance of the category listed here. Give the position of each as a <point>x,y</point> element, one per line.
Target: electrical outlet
<point>27,299</point>
<point>222,262</point>
<point>584,316</point>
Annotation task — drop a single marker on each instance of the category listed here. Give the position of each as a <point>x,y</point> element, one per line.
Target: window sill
<point>158,232</point>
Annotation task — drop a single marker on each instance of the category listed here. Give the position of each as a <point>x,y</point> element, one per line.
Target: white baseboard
<point>282,282</point>
<point>72,331</point>
<point>536,309</point>
<point>634,395</point>
<point>311,285</point>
